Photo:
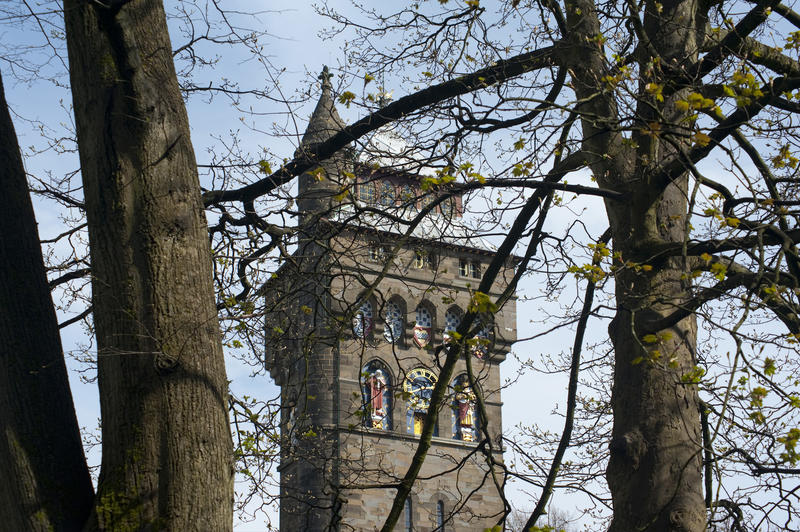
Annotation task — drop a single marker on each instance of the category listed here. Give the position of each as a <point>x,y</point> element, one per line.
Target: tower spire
<point>315,191</point>
<point>325,121</point>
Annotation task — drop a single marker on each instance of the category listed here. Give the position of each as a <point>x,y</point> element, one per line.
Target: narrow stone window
<point>440,516</point>
<point>475,270</point>
<point>409,516</point>
<point>463,268</point>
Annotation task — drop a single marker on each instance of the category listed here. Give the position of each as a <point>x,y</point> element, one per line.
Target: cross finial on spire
<point>325,76</point>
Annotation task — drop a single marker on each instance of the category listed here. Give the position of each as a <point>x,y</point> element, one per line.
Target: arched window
<point>465,419</point>
<point>291,424</point>
<point>362,321</point>
<point>376,391</point>
<point>387,196</point>
<point>409,516</point>
<point>452,319</point>
<point>393,322</point>
<point>440,516</point>
<point>418,387</point>
<point>423,328</point>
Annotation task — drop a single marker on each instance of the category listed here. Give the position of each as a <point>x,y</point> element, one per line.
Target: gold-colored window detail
<point>423,260</point>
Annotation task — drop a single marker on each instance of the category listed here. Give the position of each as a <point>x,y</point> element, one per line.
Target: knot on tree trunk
<point>165,362</point>
<point>683,519</point>
<point>631,446</point>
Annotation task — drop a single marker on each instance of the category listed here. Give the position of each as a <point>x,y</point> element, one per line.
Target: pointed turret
<point>317,189</point>
<point>325,121</point>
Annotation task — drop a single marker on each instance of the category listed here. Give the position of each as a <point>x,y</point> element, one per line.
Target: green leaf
<point>346,98</point>
<point>482,303</point>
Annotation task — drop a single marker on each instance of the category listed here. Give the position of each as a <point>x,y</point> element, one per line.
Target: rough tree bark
<point>167,450</point>
<point>654,472</point>
<point>46,484</point>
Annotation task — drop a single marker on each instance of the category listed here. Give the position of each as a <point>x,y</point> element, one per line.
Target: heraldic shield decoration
<point>423,327</point>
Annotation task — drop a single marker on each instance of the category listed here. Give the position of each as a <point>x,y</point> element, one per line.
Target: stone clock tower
<point>381,277</point>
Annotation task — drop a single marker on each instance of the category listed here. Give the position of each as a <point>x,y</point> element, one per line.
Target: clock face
<point>419,384</point>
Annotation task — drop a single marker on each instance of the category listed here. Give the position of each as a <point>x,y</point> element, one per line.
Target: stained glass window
<point>447,207</point>
<point>408,197</point>
<point>423,328</point>
<point>425,200</point>
<point>393,322</point>
<point>387,197</point>
<point>452,319</point>
<point>480,342</point>
<point>376,389</point>
<point>366,193</point>
<point>362,321</point>
<point>424,317</point>
<point>418,387</point>
<point>465,419</point>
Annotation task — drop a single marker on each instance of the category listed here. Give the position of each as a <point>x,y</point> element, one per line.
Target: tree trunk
<point>45,482</point>
<point>654,471</point>
<point>167,450</point>
<point>655,468</point>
